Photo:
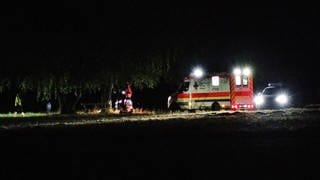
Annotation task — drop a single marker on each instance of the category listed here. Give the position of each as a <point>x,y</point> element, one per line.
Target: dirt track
<point>204,145</point>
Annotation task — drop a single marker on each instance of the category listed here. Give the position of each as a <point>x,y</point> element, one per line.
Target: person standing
<point>128,106</point>
<point>128,91</point>
<point>49,107</point>
<point>18,104</point>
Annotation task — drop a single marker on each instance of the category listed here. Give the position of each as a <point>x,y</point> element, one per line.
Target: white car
<point>273,96</point>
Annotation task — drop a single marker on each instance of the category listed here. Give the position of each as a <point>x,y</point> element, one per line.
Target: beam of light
<point>282,99</point>
<point>258,100</point>
<point>237,71</point>
<point>246,71</point>
<point>198,72</point>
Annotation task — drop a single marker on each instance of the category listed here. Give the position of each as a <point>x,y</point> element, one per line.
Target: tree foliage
<point>60,77</point>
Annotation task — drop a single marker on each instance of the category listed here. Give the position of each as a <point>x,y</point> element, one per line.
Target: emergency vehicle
<point>215,91</point>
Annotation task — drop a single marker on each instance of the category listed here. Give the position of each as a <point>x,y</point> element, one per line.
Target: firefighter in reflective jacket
<point>128,91</point>
<point>127,102</point>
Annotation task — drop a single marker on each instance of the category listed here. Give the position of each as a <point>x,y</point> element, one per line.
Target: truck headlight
<point>282,99</point>
<point>258,100</point>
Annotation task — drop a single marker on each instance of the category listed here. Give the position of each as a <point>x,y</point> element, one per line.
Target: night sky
<point>280,41</point>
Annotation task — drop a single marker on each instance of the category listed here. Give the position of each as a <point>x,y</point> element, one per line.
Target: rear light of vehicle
<point>242,106</point>
<point>234,107</point>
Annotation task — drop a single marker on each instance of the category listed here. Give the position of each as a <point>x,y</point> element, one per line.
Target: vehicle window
<point>245,80</point>
<point>242,80</point>
<point>184,86</point>
<point>270,91</point>
<point>215,80</point>
<point>238,80</point>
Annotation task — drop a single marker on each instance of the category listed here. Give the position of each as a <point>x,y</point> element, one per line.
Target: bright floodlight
<point>282,99</point>
<point>246,71</point>
<point>259,100</point>
<point>237,71</point>
<point>198,72</point>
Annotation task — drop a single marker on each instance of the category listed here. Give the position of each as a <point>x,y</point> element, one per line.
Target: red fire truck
<point>215,91</point>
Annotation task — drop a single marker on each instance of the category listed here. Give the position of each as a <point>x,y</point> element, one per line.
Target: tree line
<point>68,78</point>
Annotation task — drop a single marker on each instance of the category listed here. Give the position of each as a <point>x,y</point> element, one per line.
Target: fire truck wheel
<point>216,106</point>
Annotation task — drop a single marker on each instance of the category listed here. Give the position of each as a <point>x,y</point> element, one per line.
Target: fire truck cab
<point>215,91</point>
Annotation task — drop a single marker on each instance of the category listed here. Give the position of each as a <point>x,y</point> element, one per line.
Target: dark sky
<point>279,40</point>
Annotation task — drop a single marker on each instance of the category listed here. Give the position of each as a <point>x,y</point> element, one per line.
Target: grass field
<point>204,145</point>
<point>26,114</point>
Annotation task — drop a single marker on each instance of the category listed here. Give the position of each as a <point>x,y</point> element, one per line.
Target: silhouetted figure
<point>18,104</point>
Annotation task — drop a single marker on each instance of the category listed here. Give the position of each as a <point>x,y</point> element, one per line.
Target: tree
<point>142,67</point>
<point>69,76</point>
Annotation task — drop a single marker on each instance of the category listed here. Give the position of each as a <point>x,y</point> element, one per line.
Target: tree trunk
<point>64,106</point>
<point>103,99</point>
<point>59,104</point>
<point>109,95</point>
<point>106,96</point>
<point>74,105</point>
<point>68,103</point>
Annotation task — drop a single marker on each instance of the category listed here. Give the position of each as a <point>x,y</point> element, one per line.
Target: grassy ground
<point>26,114</point>
<point>208,146</point>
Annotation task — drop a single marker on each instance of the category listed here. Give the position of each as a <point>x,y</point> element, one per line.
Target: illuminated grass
<point>252,121</point>
<point>26,114</point>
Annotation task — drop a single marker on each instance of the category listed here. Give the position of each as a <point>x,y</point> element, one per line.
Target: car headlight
<point>258,100</point>
<point>282,99</point>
